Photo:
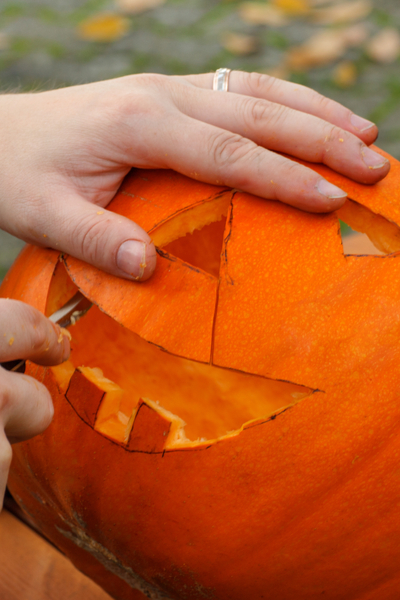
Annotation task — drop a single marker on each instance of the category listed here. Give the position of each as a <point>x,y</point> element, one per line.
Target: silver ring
<point>221,80</point>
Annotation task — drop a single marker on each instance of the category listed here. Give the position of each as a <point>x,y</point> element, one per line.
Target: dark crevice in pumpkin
<point>195,235</point>
<point>379,235</point>
<point>213,401</point>
<point>223,271</point>
<point>202,248</point>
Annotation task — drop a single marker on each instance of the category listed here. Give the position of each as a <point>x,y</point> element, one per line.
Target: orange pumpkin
<point>279,352</point>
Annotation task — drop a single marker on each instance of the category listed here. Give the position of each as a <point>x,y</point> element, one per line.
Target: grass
<point>12,11</point>
<point>389,104</point>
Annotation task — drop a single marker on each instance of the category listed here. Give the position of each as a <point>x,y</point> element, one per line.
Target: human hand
<point>26,408</point>
<point>65,152</point>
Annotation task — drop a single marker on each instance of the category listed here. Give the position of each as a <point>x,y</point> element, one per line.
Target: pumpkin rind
<point>301,503</point>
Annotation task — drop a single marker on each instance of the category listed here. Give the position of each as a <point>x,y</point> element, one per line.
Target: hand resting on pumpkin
<point>65,153</point>
<point>25,405</point>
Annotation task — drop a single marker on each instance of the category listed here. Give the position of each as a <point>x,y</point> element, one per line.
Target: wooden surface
<point>32,569</point>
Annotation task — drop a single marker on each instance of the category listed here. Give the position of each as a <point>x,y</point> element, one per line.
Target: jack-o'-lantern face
<point>228,429</point>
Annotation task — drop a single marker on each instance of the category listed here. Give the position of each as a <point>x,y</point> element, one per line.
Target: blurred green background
<point>347,50</point>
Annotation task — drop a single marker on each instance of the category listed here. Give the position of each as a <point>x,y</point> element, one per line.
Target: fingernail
<point>329,190</point>
<point>131,258</point>
<point>360,123</point>
<point>372,159</point>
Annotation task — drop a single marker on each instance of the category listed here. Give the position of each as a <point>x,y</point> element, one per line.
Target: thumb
<point>101,238</point>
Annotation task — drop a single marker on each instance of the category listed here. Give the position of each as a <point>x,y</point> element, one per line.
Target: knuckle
<point>278,114</point>
<point>91,237</point>
<point>138,97</point>
<point>256,111</point>
<point>325,106</point>
<point>227,148</point>
<point>335,134</point>
<point>145,79</point>
<point>261,83</point>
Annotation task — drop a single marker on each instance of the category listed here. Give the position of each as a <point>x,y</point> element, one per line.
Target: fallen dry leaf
<point>134,7</point>
<point>345,12</point>
<point>293,7</point>
<point>320,49</point>
<point>326,46</point>
<point>384,47</point>
<point>280,71</point>
<point>345,74</point>
<point>262,14</point>
<point>238,43</point>
<point>356,35</point>
<point>104,27</point>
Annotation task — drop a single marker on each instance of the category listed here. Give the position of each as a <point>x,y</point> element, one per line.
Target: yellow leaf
<point>384,47</point>
<point>104,27</point>
<point>262,14</point>
<point>133,7</point>
<point>345,74</point>
<point>239,44</point>
<point>344,12</point>
<point>293,7</point>
<point>320,49</point>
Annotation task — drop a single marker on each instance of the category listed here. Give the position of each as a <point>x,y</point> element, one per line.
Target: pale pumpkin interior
<point>210,400</point>
<point>384,235</point>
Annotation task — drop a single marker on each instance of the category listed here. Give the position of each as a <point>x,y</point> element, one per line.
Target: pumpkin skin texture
<point>283,354</point>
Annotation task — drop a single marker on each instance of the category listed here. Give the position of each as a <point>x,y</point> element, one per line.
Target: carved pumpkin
<point>282,356</point>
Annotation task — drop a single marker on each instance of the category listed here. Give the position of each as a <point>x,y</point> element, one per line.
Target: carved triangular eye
<point>202,248</point>
<point>196,234</point>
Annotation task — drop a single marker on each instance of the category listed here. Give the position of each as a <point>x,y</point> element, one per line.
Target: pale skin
<point>65,153</point>
<point>26,408</point>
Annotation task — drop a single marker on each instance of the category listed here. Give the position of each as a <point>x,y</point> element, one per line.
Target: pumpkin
<point>229,429</point>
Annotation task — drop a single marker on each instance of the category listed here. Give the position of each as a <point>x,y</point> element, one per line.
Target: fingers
<point>58,206</point>
<point>283,129</point>
<point>221,157</point>
<point>153,121</point>
<point>294,96</point>
<point>99,237</point>
<point>27,334</point>
<point>26,408</point>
